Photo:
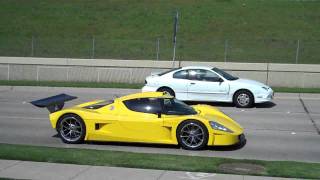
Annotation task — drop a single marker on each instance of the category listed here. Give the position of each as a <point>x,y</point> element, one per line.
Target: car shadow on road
<point>224,104</point>
<point>266,105</point>
<point>162,146</point>
<point>127,144</point>
<point>165,146</point>
<point>228,148</point>
<point>218,104</point>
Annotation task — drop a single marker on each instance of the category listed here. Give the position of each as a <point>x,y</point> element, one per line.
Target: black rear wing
<point>53,103</point>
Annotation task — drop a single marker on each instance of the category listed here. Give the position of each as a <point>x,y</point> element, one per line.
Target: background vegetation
<point>209,30</point>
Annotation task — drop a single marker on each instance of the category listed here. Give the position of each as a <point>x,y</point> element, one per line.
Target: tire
<point>243,99</point>
<point>167,90</point>
<point>192,135</point>
<point>71,129</point>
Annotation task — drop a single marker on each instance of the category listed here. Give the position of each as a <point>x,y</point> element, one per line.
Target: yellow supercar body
<point>149,117</point>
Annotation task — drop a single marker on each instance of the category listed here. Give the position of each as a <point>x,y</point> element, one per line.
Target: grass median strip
<point>296,90</point>
<point>123,85</point>
<point>151,161</point>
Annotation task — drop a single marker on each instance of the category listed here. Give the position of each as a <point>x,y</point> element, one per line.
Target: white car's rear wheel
<point>167,90</point>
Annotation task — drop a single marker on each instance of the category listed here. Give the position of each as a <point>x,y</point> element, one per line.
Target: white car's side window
<point>203,75</point>
<point>210,76</point>
<point>194,74</point>
<point>181,74</point>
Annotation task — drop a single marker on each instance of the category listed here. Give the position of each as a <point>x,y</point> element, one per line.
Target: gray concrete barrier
<point>135,71</point>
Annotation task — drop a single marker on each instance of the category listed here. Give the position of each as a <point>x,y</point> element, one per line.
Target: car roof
<point>197,67</point>
<point>145,95</point>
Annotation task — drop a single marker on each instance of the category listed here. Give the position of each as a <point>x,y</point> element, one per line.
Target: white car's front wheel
<point>243,99</point>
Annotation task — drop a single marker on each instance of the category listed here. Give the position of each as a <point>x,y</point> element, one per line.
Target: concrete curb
<point>135,71</point>
<point>41,170</point>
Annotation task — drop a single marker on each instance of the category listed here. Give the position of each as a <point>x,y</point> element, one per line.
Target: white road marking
<point>197,176</point>
<point>242,169</point>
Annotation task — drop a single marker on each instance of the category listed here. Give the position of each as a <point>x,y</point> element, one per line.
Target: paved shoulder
<point>39,170</point>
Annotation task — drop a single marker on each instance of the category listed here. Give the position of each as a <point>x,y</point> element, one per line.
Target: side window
<point>210,76</point>
<point>203,75</point>
<point>180,74</point>
<point>193,74</point>
<point>196,74</point>
<point>145,105</point>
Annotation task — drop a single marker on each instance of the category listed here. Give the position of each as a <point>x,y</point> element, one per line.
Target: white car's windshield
<point>225,74</point>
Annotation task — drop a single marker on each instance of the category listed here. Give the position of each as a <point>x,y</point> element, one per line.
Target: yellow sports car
<point>150,117</point>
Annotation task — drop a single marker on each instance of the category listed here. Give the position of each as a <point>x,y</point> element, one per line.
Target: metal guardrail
<point>213,50</point>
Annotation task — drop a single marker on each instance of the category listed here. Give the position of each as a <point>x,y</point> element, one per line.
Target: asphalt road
<point>287,129</point>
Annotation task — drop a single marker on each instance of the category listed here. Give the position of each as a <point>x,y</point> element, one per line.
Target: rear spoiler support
<point>53,103</point>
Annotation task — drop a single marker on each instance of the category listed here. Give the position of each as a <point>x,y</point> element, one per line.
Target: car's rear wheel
<point>192,135</point>
<point>71,129</point>
<point>243,99</point>
<point>167,90</point>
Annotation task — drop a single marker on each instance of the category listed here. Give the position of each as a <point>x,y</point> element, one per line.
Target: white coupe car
<point>195,83</point>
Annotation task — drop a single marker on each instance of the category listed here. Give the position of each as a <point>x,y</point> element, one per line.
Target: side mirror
<point>220,80</point>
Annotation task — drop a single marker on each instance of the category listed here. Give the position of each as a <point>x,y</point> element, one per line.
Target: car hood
<point>214,114</point>
<point>249,81</point>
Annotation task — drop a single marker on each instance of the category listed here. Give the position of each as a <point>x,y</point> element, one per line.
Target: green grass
<point>257,31</point>
<point>151,161</point>
<point>124,85</point>
<point>296,90</point>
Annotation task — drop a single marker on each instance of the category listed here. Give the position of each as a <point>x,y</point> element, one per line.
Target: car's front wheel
<point>71,129</point>
<point>243,99</point>
<point>192,135</point>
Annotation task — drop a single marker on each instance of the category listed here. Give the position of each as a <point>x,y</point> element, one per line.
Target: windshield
<point>173,106</point>
<point>225,74</point>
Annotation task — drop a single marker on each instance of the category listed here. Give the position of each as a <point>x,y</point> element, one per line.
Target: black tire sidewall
<point>170,91</point>
<point>82,124</point>
<point>205,130</point>
<point>249,105</point>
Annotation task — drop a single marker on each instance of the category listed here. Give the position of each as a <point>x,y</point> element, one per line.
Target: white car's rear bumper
<point>265,97</point>
<point>149,89</point>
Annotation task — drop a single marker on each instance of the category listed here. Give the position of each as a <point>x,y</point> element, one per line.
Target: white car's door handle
<point>192,83</point>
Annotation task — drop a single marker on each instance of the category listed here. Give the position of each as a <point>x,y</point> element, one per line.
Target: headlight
<point>265,88</point>
<point>219,127</point>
